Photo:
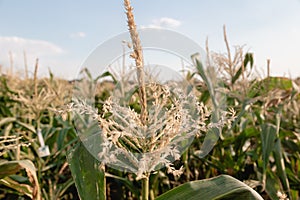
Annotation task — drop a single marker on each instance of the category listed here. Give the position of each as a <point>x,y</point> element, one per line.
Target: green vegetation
<point>261,148</point>
<point>257,155</point>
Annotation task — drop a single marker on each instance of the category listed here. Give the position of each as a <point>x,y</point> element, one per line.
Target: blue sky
<point>62,33</point>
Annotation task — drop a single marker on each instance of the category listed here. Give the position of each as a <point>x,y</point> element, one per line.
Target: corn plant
<point>163,115</point>
<point>29,104</point>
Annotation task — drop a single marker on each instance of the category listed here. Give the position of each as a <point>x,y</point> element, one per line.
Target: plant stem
<point>26,65</point>
<point>11,59</point>
<point>145,188</point>
<point>35,80</point>
<point>230,63</point>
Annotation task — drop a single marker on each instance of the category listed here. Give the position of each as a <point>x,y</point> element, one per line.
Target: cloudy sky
<point>62,33</point>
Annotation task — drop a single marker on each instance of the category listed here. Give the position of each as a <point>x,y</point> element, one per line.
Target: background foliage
<point>261,149</point>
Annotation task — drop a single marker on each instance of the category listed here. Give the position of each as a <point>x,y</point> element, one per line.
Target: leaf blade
<point>221,187</point>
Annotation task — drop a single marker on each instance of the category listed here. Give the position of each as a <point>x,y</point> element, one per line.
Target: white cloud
<point>78,35</point>
<point>37,47</point>
<point>44,50</point>
<point>164,22</point>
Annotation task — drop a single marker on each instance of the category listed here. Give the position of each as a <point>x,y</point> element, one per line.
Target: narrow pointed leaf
<point>12,167</point>
<point>247,60</point>
<point>281,172</point>
<point>268,137</point>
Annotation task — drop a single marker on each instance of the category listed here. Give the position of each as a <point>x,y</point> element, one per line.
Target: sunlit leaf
<point>221,187</point>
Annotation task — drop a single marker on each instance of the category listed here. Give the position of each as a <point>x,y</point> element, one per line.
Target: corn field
<point>42,156</point>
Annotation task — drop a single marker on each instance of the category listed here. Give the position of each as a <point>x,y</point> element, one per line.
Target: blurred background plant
<point>26,105</point>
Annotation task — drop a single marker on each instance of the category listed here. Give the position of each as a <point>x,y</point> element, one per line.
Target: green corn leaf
<point>21,189</point>
<point>88,73</point>
<point>106,74</point>
<point>221,187</point>
<point>268,137</point>
<point>247,60</point>
<point>280,166</point>
<point>206,79</point>
<point>272,187</point>
<point>278,150</point>
<point>89,180</point>
<point>12,167</point>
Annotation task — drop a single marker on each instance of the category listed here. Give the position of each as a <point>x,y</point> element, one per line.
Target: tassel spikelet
<point>137,55</point>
